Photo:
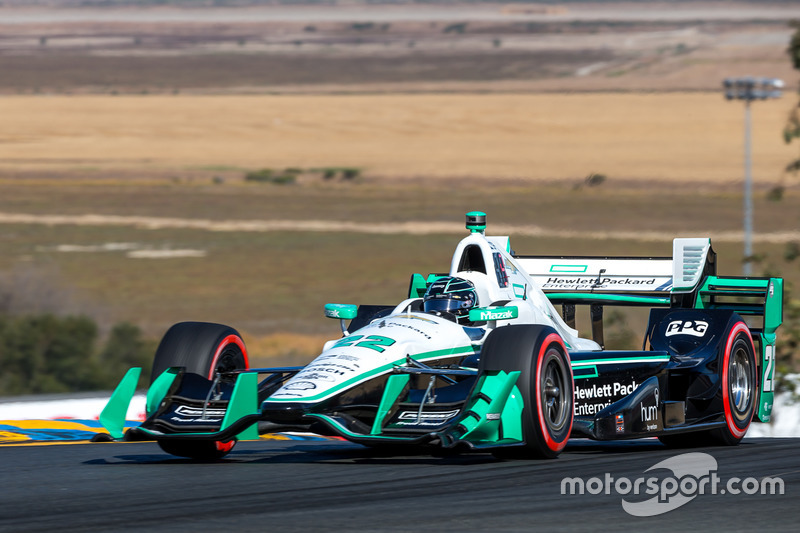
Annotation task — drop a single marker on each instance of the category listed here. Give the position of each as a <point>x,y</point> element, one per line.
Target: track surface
<point>332,485</point>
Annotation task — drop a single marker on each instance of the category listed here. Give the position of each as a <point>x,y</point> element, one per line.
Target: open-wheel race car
<point>479,359</point>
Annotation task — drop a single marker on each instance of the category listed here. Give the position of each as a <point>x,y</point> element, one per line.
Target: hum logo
<point>650,412</point>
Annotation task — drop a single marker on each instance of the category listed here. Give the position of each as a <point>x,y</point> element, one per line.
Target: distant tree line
<point>46,353</point>
<point>49,342</point>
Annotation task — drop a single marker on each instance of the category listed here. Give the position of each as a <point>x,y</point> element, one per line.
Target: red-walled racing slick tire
<point>202,348</point>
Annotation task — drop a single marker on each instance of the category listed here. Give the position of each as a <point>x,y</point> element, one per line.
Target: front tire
<point>202,348</point>
<point>545,383</point>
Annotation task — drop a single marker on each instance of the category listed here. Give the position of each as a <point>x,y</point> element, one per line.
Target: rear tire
<point>545,383</point>
<point>738,388</point>
<point>202,348</point>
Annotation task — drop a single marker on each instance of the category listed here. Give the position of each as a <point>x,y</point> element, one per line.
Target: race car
<point>480,359</point>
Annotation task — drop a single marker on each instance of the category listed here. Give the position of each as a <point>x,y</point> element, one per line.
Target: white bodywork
<point>386,342</point>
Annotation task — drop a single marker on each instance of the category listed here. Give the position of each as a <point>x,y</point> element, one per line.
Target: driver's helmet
<point>450,295</point>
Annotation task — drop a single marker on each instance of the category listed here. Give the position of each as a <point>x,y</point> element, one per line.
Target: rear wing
<point>691,260</point>
<point>686,280</point>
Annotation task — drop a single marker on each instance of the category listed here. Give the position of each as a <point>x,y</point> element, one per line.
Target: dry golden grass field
<point>517,156</point>
<point>149,123</point>
<point>688,137</point>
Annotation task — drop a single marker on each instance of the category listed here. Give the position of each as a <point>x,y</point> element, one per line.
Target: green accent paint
<point>623,360</point>
<point>476,227</point>
<point>600,298</point>
<point>446,351</point>
<point>113,415</point>
<point>568,269</point>
<point>341,311</point>
<point>394,386</point>
<point>773,309</point>
<point>422,357</point>
<point>483,314</point>
<point>582,372</point>
<point>484,419</point>
<point>244,401</point>
<point>158,390</point>
<point>373,342</point>
<point>417,287</point>
<point>766,394</point>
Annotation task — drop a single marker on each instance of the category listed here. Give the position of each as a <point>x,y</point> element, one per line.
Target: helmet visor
<point>446,305</point>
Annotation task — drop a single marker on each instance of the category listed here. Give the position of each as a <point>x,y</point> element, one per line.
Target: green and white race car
<point>481,359</point>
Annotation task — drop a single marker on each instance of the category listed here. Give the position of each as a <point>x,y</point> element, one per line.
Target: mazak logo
<point>696,328</point>
<point>692,474</point>
<point>496,315</point>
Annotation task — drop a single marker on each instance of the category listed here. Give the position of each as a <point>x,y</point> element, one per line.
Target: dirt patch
<point>403,228</point>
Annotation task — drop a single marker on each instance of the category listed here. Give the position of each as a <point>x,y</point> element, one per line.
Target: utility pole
<point>749,89</point>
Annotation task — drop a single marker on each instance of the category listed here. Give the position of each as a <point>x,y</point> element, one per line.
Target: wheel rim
<point>554,389</point>
<point>740,376</point>
<point>229,359</point>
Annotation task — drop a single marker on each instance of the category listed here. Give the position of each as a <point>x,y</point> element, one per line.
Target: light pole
<point>749,89</point>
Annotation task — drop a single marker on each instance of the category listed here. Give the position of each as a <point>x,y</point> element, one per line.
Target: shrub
<point>264,175</point>
<point>594,179</point>
<point>362,26</point>
<point>456,28</point>
<point>284,179</point>
<point>350,173</point>
<point>775,194</point>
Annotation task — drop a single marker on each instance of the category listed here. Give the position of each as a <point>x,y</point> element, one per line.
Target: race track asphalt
<point>337,486</point>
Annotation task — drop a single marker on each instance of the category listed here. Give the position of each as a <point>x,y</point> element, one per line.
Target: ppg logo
<point>696,328</point>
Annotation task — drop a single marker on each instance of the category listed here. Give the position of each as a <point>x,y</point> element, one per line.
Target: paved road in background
<point>317,13</point>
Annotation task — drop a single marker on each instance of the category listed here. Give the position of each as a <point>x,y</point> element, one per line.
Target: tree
<point>127,348</point>
<point>46,353</point>
<point>792,129</point>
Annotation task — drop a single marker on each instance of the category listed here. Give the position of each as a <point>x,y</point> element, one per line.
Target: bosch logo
<point>696,328</point>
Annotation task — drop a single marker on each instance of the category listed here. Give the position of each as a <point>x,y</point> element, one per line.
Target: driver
<point>451,298</point>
